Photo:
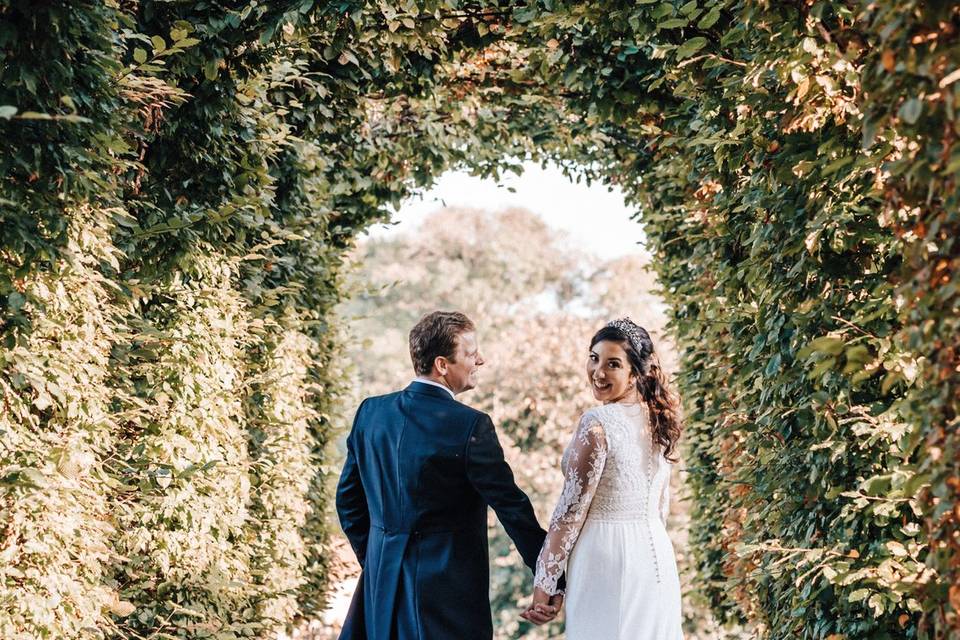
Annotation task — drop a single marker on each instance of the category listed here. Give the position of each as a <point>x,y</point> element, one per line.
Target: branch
<point>712,55</point>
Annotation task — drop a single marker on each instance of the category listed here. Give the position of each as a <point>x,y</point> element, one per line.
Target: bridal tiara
<point>634,334</point>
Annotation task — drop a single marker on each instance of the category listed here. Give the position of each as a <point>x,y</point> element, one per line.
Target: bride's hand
<point>544,608</point>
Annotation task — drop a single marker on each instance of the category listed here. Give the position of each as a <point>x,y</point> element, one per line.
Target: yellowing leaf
<point>888,59</point>
<point>122,608</point>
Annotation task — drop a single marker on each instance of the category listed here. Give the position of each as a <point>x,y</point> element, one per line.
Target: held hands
<point>544,608</point>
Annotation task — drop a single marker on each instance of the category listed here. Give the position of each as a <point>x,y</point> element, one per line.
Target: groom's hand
<point>544,608</point>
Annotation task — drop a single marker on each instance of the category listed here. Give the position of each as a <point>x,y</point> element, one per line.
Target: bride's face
<point>608,371</point>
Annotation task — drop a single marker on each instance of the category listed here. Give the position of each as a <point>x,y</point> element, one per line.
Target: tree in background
<point>536,300</point>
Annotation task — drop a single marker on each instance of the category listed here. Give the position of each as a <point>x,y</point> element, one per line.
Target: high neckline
<point>625,404</point>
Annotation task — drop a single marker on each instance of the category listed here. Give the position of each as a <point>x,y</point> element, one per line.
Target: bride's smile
<point>609,373</point>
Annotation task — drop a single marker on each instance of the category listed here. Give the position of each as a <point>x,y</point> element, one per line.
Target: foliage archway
<point>180,181</point>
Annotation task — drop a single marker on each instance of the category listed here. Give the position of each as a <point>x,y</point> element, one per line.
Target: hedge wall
<point>180,182</point>
<point>171,224</point>
<point>795,165</point>
<point>181,179</point>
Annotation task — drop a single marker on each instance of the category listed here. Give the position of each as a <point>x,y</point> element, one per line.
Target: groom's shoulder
<point>392,398</point>
<point>451,408</point>
<point>380,400</point>
<point>471,412</point>
<point>375,404</point>
<point>461,412</point>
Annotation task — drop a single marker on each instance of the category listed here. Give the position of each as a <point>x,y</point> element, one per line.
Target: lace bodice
<point>612,473</point>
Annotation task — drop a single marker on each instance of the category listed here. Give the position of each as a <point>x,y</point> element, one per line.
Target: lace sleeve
<point>586,456</point>
<point>665,497</point>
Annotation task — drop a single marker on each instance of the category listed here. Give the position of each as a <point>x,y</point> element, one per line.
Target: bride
<point>608,536</point>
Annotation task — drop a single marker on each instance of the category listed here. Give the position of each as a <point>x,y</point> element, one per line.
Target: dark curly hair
<point>651,383</point>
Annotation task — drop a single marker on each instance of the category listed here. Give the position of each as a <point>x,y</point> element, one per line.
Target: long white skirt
<point>622,583</point>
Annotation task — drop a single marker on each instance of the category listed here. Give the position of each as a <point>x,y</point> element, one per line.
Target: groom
<point>421,470</point>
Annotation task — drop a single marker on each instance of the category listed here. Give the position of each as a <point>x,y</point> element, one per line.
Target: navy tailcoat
<point>421,470</point>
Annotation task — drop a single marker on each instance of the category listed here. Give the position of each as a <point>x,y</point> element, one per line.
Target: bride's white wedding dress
<point>608,532</point>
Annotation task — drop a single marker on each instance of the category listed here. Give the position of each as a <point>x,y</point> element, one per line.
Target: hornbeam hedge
<point>180,181</point>
<point>172,216</point>
<point>796,168</point>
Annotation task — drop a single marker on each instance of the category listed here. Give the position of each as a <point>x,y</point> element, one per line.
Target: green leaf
<point>690,47</point>
<point>29,80</point>
<point>710,19</point>
<point>7,111</point>
<point>910,110</point>
<point>858,353</point>
<point>15,301</point>
<point>139,55</point>
<point>211,69</point>
<point>889,380</point>
<point>858,595</point>
<point>827,344</point>
<point>773,365</point>
<point>836,165</point>
<point>952,167</point>
<point>868,133</point>
<point>878,485</point>
<point>159,44</point>
<point>822,367</point>
<point>673,23</point>
<point>662,10</point>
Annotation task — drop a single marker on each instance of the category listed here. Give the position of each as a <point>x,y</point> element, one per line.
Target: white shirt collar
<point>436,384</point>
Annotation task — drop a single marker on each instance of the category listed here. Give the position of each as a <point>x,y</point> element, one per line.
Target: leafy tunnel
<point>180,184</point>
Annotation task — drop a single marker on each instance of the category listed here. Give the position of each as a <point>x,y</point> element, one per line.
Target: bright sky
<point>594,216</point>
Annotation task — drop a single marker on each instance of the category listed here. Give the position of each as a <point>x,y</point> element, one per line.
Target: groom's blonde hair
<point>436,335</point>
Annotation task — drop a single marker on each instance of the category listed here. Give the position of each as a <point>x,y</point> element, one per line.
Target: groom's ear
<point>440,365</point>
